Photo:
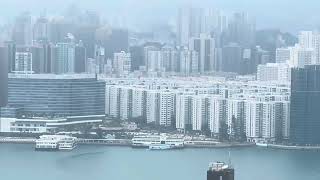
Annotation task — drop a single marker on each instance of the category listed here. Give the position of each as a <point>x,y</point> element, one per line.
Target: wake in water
<point>85,154</point>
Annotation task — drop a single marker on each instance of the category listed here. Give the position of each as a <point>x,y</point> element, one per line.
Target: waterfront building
<point>153,107</point>
<point>184,111</point>
<point>113,101</point>
<point>49,95</point>
<point>257,111</point>
<point>217,114</point>
<point>167,108</point>
<point>125,103</point>
<point>138,102</point>
<point>304,110</point>
<point>200,113</point>
<point>236,118</point>
<point>43,125</point>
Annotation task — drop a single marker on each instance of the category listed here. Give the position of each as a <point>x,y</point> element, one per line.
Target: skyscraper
<point>122,63</point>
<point>191,23</point>
<point>189,62</point>
<point>136,57</point>
<point>170,59</point>
<point>80,58</point>
<point>22,30</point>
<point>11,53</point>
<point>41,29</point>
<point>220,171</point>
<point>113,40</point>
<point>184,20</point>
<point>65,57</point>
<point>205,46</point>
<point>3,76</point>
<point>231,58</point>
<point>305,103</point>
<point>100,59</point>
<point>241,30</point>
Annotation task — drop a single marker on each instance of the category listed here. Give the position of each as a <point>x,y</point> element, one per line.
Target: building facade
<point>48,95</point>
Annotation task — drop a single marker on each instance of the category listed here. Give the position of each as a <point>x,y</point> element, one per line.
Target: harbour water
<point>20,161</point>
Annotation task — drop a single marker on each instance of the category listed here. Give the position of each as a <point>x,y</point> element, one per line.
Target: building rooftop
<point>52,76</point>
<point>218,166</point>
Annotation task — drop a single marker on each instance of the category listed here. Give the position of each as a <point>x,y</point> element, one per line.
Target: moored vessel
<point>161,147</point>
<point>156,141</point>
<point>55,143</point>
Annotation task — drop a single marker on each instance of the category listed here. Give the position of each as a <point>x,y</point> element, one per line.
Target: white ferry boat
<point>148,140</point>
<point>55,143</point>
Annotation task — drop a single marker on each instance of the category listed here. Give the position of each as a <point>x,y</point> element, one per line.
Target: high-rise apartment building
<point>283,55</point>
<point>23,62</point>
<point>189,62</point>
<point>274,72</point>
<point>122,63</point>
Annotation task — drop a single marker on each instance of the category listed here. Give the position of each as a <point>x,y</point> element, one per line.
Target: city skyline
<point>131,11</point>
<point>157,89</point>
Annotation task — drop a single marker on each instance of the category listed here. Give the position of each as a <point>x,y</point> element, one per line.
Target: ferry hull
<point>46,149</point>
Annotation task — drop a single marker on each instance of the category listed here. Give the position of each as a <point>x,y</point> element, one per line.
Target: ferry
<point>151,141</point>
<point>161,147</point>
<point>55,143</point>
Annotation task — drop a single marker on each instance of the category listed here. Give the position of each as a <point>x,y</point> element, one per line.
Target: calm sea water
<point>124,163</point>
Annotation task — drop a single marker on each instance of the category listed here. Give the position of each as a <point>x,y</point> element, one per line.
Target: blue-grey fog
<point>289,15</point>
<point>159,89</point>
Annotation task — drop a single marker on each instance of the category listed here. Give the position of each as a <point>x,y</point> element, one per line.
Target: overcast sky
<point>289,15</point>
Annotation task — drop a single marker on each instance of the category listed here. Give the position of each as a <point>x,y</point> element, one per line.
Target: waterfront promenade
<point>187,144</point>
<point>127,142</point>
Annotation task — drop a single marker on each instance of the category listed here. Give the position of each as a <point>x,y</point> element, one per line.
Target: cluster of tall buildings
<point>252,111</point>
<point>44,56</point>
<point>305,52</point>
<point>206,41</point>
<point>223,43</point>
<point>63,45</point>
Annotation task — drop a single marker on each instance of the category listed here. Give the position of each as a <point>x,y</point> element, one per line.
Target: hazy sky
<point>289,15</point>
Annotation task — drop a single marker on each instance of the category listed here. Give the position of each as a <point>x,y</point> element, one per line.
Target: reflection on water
<point>122,163</point>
